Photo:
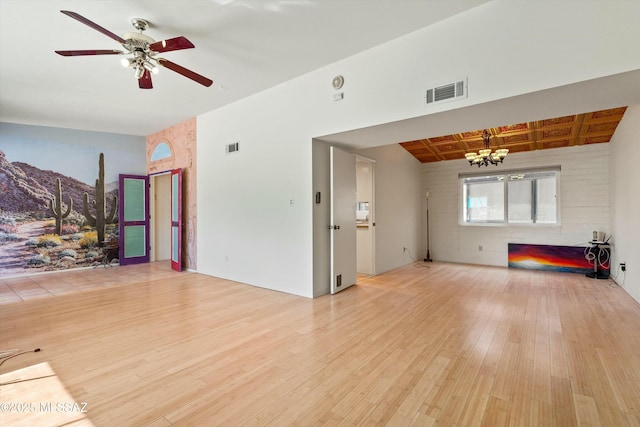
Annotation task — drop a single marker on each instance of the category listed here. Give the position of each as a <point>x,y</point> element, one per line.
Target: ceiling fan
<point>140,51</point>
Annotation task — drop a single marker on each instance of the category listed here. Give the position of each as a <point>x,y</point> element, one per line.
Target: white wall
<point>248,228</point>
<point>625,203</point>
<point>254,206</point>
<point>584,205</point>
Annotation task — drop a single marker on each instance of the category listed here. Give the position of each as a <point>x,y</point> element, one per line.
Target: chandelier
<point>485,156</point>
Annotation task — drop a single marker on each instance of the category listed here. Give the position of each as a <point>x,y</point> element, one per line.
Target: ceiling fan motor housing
<point>138,40</point>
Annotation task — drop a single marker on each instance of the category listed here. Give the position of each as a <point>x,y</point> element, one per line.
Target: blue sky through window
<point>162,151</point>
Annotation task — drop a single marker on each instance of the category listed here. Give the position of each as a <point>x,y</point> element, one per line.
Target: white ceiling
<point>245,46</point>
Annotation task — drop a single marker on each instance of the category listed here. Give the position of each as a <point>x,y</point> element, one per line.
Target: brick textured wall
<point>584,206</point>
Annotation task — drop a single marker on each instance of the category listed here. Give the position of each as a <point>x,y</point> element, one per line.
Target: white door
<point>343,219</point>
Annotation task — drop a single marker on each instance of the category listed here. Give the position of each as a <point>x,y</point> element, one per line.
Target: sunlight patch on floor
<point>35,396</point>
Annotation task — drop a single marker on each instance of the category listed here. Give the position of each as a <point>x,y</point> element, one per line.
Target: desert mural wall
<point>174,148</point>
<point>48,182</point>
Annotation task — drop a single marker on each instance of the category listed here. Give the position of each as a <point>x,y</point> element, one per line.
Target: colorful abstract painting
<point>570,259</point>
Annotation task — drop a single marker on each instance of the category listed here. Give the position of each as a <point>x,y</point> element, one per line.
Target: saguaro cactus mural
<point>101,219</point>
<point>55,207</point>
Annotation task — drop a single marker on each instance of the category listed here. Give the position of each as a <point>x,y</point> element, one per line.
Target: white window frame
<point>462,197</point>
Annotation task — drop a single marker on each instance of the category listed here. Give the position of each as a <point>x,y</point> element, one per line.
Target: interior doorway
<point>160,235</point>
<point>365,216</point>
<point>323,221</point>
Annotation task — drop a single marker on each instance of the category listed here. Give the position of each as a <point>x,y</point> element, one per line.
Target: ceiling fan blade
<point>94,26</point>
<point>87,52</point>
<point>185,72</point>
<point>176,43</point>
<point>144,82</point>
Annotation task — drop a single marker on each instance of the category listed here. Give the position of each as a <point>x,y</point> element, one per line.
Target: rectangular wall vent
<point>233,147</point>
<point>449,91</point>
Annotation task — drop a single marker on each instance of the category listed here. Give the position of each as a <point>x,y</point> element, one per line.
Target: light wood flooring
<point>448,345</point>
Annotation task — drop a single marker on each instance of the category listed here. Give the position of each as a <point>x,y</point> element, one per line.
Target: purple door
<point>133,219</point>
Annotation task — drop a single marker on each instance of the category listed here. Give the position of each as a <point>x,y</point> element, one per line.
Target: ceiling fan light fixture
<point>139,72</point>
<point>151,67</point>
<point>126,62</point>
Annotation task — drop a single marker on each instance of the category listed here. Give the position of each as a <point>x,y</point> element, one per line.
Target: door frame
<point>176,219</point>
<point>154,223</point>
<point>372,210</point>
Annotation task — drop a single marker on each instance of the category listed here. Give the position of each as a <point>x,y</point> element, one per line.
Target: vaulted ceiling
<point>579,129</point>
<point>244,46</point>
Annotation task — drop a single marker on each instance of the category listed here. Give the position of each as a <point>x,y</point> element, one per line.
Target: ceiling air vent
<point>233,147</point>
<point>449,91</point>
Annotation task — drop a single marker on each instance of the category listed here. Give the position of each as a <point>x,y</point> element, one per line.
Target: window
<point>513,197</point>
<point>162,151</point>
<point>484,198</point>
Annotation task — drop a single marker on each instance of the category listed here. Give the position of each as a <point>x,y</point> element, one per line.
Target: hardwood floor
<point>445,345</point>
<point>42,285</point>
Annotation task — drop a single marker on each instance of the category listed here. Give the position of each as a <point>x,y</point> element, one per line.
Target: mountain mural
<point>41,230</point>
<point>19,192</point>
<point>26,188</point>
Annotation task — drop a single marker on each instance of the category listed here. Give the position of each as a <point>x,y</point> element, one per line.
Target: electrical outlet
<point>623,266</point>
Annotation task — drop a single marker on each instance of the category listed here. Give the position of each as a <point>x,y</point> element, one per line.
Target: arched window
<point>162,151</point>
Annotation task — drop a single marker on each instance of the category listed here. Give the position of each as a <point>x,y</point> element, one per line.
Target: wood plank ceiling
<point>580,129</point>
